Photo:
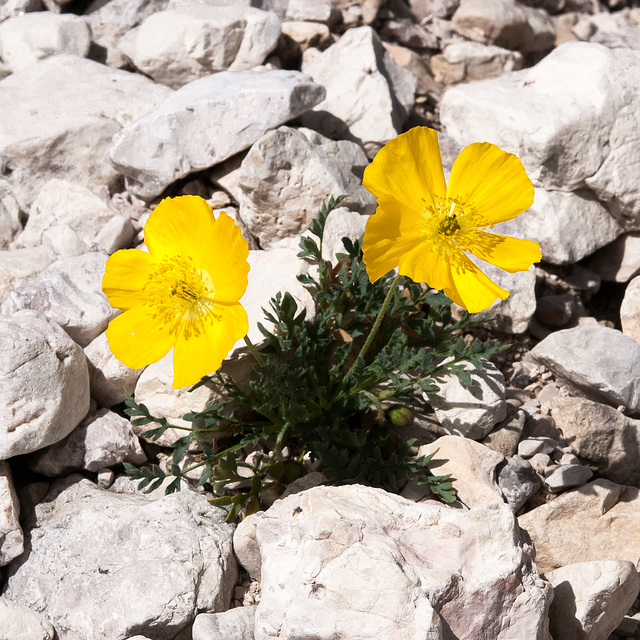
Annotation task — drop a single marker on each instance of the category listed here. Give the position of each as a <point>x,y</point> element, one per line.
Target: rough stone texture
<point>601,363</point>
<point>235,624</point>
<point>21,623</point>
<point>518,481</point>
<point>598,521</point>
<point>103,439</point>
<point>602,436</point>
<point>341,223</point>
<point>591,598</point>
<point>111,381</point>
<point>11,537</point>
<point>465,61</point>
<point>65,203</point>
<point>19,265</point>
<point>31,37</point>
<point>206,122</point>
<point>333,556</point>
<point>572,128</point>
<point>618,261</point>
<point>311,10</point>
<point>473,466</point>
<point>89,557</point>
<point>69,292</point>
<point>308,34</point>
<point>506,24</point>
<point>44,383</point>
<point>284,179</point>
<point>75,108</point>
<point>368,75</point>
<point>504,437</point>
<point>567,476</point>
<point>630,310</point>
<point>182,44</point>
<point>472,411</point>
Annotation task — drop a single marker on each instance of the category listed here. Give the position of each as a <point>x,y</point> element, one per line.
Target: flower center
<point>182,297</point>
<point>448,221</point>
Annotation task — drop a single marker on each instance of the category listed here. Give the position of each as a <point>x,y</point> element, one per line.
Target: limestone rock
<point>567,476</point>
<point>591,598</point>
<point>27,38</point>
<point>111,381</point>
<point>20,265</point>
<point>602,436</point>
<point>518,481</point>
<point>206,122</point>
<point>472,411</point>
<point>235,624</point>
<point>332,555</point>
<point>284,179</point>
<point>618,261</point>
<point>598,521</point>
<point>630,310</point>
<point>75,108</point>
<point>179,45</point>
<point>21,623</point>
<point>89,550</point>
<point>504,437</point>
<point>473,466</point>
<point>11,537</point>
<point>103,439</point>
<point>601,363</point>
<point>44,384</point>
<point>69,292</point>
<point>369,100</point>
<point>322,11</point>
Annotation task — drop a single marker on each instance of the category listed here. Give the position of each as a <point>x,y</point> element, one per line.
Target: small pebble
<point>567,476</point>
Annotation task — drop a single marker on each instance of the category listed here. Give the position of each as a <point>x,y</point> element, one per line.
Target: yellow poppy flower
<point>424,227</point>
<point>183,294</point>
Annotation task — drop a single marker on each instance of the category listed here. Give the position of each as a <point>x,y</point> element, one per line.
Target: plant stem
<point>376,325</point>
<point>254,352</point>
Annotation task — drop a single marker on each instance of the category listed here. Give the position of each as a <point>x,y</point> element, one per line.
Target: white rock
<point>341,223</point>
<point>235,624</point>
<point>601,363</point>
<point>182,44</point>
<point>69,292</point>
<point>64,203</point>
<point>473,466</point>
<point>358,563</point>
<point>618,261</point>
<point>116,234</point>
<point>284,179</point>
<point>89,555</point>
<point>21,623</point>
<point>168,144</point>
<point>125,13</point>
<point>464,61</point>
<point>307,34</point>
<point>591,598</point>
<point>470,411</point>
<point>20,265</point>
<point>369,100</point>
<point>44,384</point>
<point>311,10</point>
<point>529,447</point>
<point>64,241</point>
<point>11,537</point>
<point>103,439</point>
<point>111,381</point>
<point>31,37</point>
<point>630,310</point>
<point>75,108</point>
<point>18,7</point>
<point>10,222</point>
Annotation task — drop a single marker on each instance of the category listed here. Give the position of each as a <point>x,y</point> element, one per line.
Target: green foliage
<point>317,396</point>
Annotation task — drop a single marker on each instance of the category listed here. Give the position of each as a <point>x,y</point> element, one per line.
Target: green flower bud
<point>400,416</point>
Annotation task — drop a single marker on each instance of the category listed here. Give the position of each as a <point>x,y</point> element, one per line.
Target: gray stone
<point>630,310</point>
<point>19,265</point>
<point>206,122</point>
<point>311,10</point>
<point>528,447</point>
<point>11,537</point>
<point>504,437</point>
<point>591,598</point>
<point>89,553</point>
<point>235,624</point>
<point>333,556</point>
<point>75,108</point>
<point>44,384</point>
<point>601,363</point>
<point>567,476</point>
<point>27,38</point>
<point>369,100</point>
<point>21,623</point>
<point>518,481</point>
<point>69,292</point>
<point>618,261</point>
<point>602,436</point>
<point>103,439</point>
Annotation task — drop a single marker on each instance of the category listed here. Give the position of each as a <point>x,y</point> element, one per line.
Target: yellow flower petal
<point>180,226</point>
<point>126,274</point>
<point>471,288</point>
<point>491,181</point>
<point>408,169</point>
<point>203,352</point>
<point>510,254</point>
<point>226,260</point>
<point>137,339</point>
<point>429,265</point>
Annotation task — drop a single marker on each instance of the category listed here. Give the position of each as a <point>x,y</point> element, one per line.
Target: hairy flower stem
<point>254,352</point>
<point>376,325</point>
